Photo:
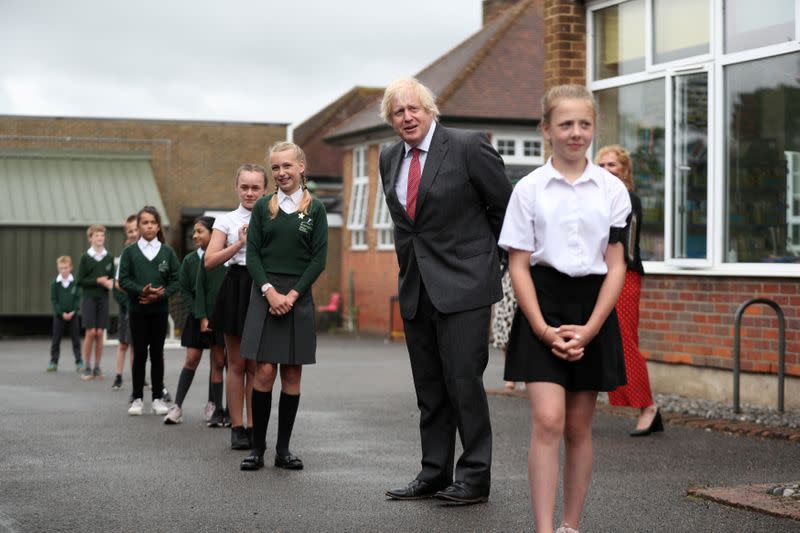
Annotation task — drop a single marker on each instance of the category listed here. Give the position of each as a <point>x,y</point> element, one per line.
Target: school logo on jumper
<point>163,266</point>
<point>306,224</point>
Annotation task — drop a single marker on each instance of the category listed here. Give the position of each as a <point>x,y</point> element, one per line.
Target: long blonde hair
<point>300,157</point>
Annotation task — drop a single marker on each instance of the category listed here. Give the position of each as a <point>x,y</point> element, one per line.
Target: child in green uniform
<point>207,287</point>
<point>148,272</point>
<point>193,337</point>
<point>124,326</point>
<point>287,245</point>
<point>66,299</point>
<point>95,278</point>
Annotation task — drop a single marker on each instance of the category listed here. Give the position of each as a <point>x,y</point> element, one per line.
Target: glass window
<point>689,166</point>
<point>681,29</point>
<point>382,220</point>
<point>357,212</point>
<point>532,148</point>
<point>633,116</point>
<point>506,147</point>
<point>750,24</point>
<point>619,39</point>
<point>762,121</point>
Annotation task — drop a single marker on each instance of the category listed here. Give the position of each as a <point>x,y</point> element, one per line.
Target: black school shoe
<point>254,461</point>
<point>217,419</point>
<point>239,438</point>
<point>288,462</point>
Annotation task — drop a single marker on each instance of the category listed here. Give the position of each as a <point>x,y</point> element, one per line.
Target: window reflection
<point>681,29</point>
<point>762,122</point>
<point>750,24</point>
<point>633,116</point>
<point>619,39</point>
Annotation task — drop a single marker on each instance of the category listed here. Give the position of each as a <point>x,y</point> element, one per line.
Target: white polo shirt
<point>290,202</point>
<point>229,224</point>
<point>565,225</point>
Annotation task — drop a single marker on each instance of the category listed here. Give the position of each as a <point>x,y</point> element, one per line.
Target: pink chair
<point>329,314</point>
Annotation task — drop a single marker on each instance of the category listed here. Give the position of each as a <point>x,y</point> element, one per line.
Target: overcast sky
<point>241,60</point>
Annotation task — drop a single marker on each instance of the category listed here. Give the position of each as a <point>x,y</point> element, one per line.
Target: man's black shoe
<point>288,462</point>
<point>254,461</point>
<point>416,490</point>
<point>459,493</point>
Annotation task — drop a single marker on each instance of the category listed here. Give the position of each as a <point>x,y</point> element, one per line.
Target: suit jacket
<point>451,246</point>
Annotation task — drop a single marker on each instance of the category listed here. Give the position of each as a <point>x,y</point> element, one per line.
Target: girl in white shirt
<point>563,230</point>
<point>228,244</point>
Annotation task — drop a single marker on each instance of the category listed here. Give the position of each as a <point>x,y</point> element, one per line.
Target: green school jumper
<point>207,287</point>
<point>295,244</point>
<point>187,279</point>
<point>88,272</point>
<point>136,271</point>
<point>64,300</point>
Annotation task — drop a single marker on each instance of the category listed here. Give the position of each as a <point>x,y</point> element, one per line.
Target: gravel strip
<point>767,416</point>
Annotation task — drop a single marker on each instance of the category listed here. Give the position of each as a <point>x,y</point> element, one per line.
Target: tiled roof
<point>494,74</point>
<point>323,158</point>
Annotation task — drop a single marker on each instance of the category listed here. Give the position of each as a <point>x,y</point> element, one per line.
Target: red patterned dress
<point>636,393</point>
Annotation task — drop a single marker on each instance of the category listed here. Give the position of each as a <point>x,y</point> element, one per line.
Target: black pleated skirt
<point>566,300</point>
<point>232,301</point>
<point>192,337</point>
<point>289,339</point>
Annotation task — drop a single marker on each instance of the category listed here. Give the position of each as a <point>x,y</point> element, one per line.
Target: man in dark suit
<point>447,193</point>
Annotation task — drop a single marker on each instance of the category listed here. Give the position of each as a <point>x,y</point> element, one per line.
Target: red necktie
<point>414,176</point>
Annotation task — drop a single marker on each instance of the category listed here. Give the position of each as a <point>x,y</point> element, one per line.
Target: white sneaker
<point>174,415</point>
<point>208,411</point>
<point>136,407</point>
<point>160,407</point>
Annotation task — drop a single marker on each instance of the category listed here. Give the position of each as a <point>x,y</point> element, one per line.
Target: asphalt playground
<point>72,460</point>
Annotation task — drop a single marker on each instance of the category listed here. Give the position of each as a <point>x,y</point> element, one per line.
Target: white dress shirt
<point>289,203</point>
<point>565,225</point>
<point>149,248</point>
<point>97,256</point>
<point>65,281</point>
<point>401,187</point>
<point>229,224</point>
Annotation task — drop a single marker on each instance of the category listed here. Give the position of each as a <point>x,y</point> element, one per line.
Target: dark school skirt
<point>232,300</point>
<point>192,337</point>
<point>289,339</point>
<point>566,300</point>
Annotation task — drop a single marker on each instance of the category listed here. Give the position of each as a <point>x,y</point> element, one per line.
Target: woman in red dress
<point>636,393</point>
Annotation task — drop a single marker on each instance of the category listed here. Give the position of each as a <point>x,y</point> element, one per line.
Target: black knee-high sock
<point>216,395</point>
<point>184,382</point>
<point>262,405</point>
<point>287,412</point>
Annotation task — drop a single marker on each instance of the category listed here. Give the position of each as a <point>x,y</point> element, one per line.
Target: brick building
<point>480,85</point>
<point>705,95</point>
<point>185,166</point>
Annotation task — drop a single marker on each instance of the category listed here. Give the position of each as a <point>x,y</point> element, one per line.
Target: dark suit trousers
<point>448,355</point>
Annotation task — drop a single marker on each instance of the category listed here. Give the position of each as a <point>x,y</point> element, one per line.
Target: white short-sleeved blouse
<point>229,224</point>
<point>566,225</point>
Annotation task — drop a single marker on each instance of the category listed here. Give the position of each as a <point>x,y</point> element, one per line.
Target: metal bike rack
<point>781,349</point>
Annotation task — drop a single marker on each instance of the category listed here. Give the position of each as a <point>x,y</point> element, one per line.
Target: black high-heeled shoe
<point>655,426</point>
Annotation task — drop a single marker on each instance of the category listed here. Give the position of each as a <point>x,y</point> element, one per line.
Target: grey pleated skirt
<point>289,339</point>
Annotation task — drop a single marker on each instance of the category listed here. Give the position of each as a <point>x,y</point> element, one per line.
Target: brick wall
<point>193,162</point>
<point>374,271</point>
<point>564,42</point>
<point>689,320</point>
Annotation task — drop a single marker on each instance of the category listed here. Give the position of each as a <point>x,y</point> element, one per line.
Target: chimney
<point>494,8</point>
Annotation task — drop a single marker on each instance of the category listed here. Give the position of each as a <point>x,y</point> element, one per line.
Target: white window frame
<point>357,210</point>
<point>714,64</point>
<point>382,220</point>
<point>519,157</point>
